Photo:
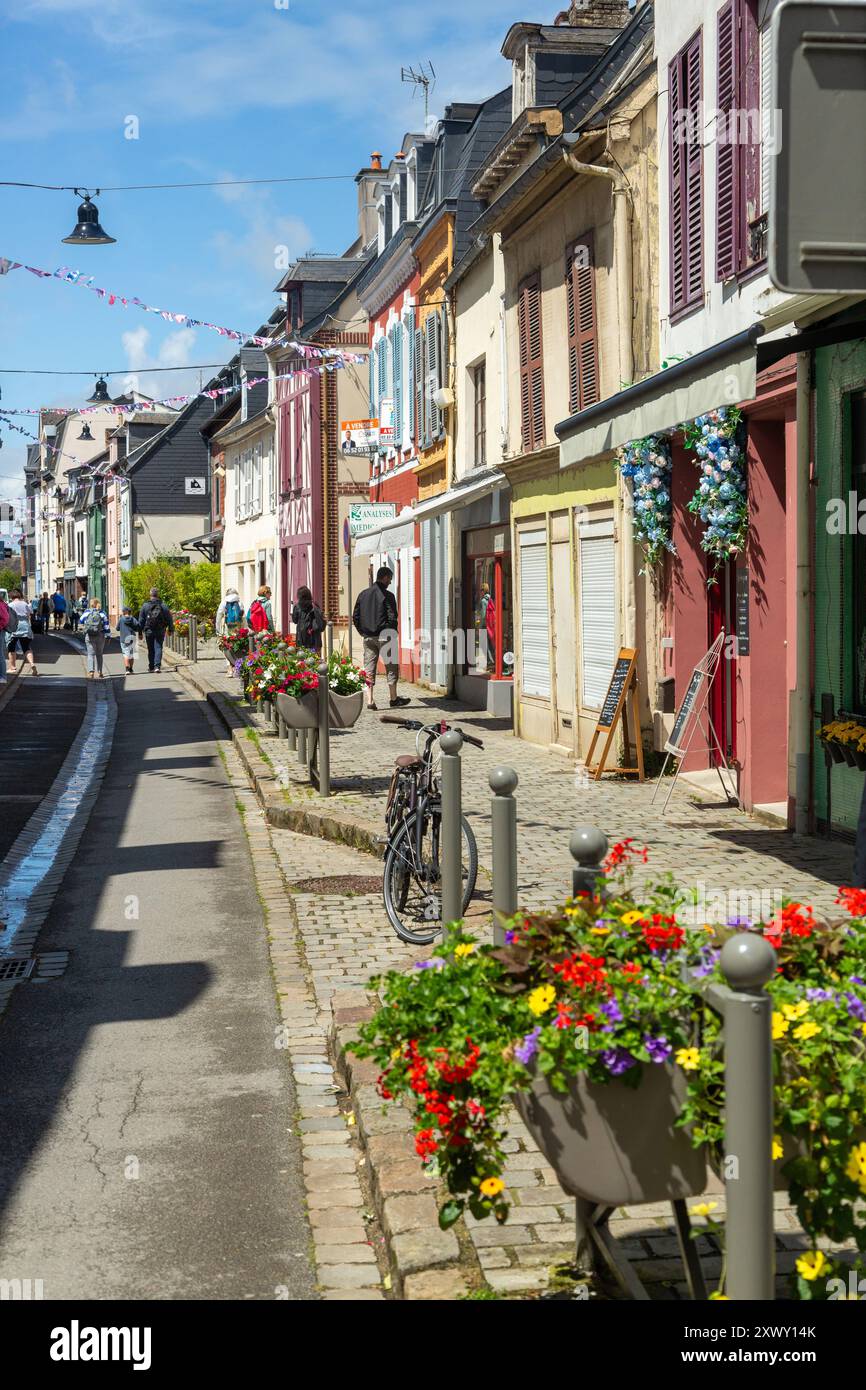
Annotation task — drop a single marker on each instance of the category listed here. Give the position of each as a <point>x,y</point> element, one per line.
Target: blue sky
<point>221,89</point>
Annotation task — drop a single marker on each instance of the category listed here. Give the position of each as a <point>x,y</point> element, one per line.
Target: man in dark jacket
<point>375,618</point>
<point>155,620</point>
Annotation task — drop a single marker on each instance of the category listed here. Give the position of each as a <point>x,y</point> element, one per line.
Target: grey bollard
<point>588,847</point>
<point>293,740</point>
<point>330,645</point>
<point>282,727</point>
<point>503,817</point>
<point>193,639</point>
<point>302,747</point>
<point>451,846</point>
<point>324,732</point>
<point>748,962</point>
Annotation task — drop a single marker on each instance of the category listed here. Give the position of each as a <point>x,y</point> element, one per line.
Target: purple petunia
<point>658,1048</point>
<point>617,1060</point>
<point>856,980</point>
<point>510,938</point>
<point>819,996</point>
<point>612,1011</point>
<point>525,1051</point>
<point>745,922</point>
<point>435,964</point>
<point>856,1007</point>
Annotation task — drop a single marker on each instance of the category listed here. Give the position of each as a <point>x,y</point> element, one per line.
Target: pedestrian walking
<point>155,621</point>
<point>375,619</point>
<point>96,628</point>
<point>8,624</point>
<point>128,630</point>
<point>59,606</point>
<point>74,617</point>
<point>44,612</point>
<point>309,620</point>
<point>230,619</point>
<point>260,618</point>
<point>21,639</point>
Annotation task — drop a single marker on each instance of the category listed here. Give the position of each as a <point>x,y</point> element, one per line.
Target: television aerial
<point>422,76</point>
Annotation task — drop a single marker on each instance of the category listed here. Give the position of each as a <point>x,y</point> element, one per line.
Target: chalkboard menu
<point>685,711</point>
<point>616,689</point>
<point>742,611</point>
<point>621,692</point>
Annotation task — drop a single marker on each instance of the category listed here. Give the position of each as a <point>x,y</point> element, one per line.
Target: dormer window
<point>523,82</point>
<point>294,307</point>
<point>412,186</point>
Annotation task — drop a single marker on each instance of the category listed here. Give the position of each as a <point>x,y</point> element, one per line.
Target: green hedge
<point>194,587</point>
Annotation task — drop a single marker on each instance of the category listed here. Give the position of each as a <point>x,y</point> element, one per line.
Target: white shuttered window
<point>534,615</point>
<point>597,610</point>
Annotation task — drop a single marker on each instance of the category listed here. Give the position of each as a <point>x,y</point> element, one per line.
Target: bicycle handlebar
<point>414,726</point>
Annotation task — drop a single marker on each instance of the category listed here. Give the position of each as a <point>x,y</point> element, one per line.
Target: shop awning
<point>724,374</point>
<point>208,545</point>
<point>399,532</point>
<point>468,490</point>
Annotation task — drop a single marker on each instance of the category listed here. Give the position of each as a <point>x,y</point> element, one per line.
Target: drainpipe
<point>624,272</point>
<point>801,730</point>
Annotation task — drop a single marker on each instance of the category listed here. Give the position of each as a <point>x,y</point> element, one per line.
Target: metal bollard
<point>324,731</point>
<point>748,962</point>
<point>451,846</point>
<point>330,644</point>
<point>588,847</point>
<point>503,815</point>
<point>193,639</point>
<point>282,726</point>
<point>302,747</point>
<point>293,740</point>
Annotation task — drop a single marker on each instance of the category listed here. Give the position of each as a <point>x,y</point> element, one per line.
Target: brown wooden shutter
<point>695,175</point>
<point>686,178</point>
<point>583,382</point>
<point>677,190</point>
<point>531,363</point>
<point>727,179</point>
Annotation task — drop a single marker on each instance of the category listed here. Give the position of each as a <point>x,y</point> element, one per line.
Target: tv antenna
<point>424,76</point>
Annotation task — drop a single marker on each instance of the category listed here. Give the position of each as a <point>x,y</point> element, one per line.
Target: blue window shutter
<point>410,330</point>
<point>397,358</point>
<point>374,399</point>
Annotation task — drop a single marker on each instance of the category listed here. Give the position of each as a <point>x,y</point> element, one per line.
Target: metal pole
<point>330,646</point>
<point>293,740</point>
<point>588,847</point>
<point>302,747</point>
<point>324,730</point>
<point>748,962</point>
<point>451,847</point>
<point>193,639</point>
<point>282,727</point>
<point>503,815</point>
<point>349,587</point>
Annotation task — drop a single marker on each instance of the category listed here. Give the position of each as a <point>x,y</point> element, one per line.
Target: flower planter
<point>345,710</point>
<point>302,713</point>
<point>835,751</point>
<point>615,1145</point>
<point>860,759</point>
<point>849,755</point>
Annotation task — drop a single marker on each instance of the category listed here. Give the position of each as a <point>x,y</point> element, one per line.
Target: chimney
<point>367,179</point>
<point>594,14</point>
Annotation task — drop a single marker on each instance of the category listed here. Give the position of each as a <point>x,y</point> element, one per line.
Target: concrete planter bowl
<point>343,710</point>
<point>615,1145</point>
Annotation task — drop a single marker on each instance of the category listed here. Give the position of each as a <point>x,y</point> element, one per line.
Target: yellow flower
<point>703,1209</point>
<point>856,1166</point>
<point>795,1011</point>
<point>398,1052</point>
<point>631,917</point>
<point>780,1026</point>
<point>541,999</point>
<point>599,931</point>
<point>491,1187</point>
<point>813,1264</point>
<point>688,1058</point>
<point>807,1030</point>
<point>465,950</point>
<point>777,1148</point>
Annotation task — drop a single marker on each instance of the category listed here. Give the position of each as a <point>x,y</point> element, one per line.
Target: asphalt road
<point>145,1117</point>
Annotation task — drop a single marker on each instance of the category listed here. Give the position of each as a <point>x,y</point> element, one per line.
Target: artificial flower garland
<point>721,499</point>
<point>648,463</point>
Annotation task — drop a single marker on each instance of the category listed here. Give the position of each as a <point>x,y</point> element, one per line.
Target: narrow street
<point>147,1121</point>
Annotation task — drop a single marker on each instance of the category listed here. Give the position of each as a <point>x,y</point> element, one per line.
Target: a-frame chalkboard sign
<point>623,689</point>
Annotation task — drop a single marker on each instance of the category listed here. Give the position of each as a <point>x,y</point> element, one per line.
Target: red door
<point>721,603</point>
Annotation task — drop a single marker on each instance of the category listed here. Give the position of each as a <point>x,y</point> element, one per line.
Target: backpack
<point>154,618</point>
<point>258,617</point>
<point>92,620</point>
<point>234,614</point>
<point>5,616</point>
<point>310,623</point>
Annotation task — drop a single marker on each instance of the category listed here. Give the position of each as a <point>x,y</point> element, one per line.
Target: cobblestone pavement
<point>342,940</point>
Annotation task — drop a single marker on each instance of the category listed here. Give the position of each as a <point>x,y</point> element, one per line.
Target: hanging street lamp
<point>85,433</point>
<point>87,230</point>
<point>100,395</point>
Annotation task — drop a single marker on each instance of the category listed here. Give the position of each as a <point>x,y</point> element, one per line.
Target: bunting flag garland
<point>129,409</point>
<point>77,277</point>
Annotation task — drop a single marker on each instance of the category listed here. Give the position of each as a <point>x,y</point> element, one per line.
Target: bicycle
<point>412,877</point>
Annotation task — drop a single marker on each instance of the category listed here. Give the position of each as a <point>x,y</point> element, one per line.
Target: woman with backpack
<point>260,618</point>
<point>230,619</point>
<point>310,622</point>
<point>20,634</point>
<point>96,628</point>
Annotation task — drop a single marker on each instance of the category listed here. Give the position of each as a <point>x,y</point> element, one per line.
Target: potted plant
<point>846,740</point>
<point>346,683</point>
<point>594,1019</point>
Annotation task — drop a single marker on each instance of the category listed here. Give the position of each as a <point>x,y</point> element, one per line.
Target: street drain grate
<point>354,884</point>
<point>16,969</point>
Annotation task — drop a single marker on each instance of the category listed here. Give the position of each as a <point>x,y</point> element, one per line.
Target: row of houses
<point>545,284</point>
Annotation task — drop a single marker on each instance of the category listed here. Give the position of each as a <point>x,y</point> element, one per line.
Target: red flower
<point>425,1144</point>
<point>853,900</point>
<point>631,968</point>
<point>795,919</point>
<point>624,853</point>
<point>663,934</point>
<point>583,971</point>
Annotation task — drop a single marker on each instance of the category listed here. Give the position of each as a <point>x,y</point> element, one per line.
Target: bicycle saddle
<point>407,760</point>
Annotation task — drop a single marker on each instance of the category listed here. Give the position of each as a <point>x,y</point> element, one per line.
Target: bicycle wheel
<point>412,880</point>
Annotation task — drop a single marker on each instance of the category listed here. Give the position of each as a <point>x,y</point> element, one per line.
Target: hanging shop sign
<point>365,517</point>
<point>359,436</point>
<point>742,611</point>
<point>623,689</point>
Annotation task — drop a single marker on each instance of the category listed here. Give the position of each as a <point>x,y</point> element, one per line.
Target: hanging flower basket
<point>721,500</point>
<point>615,1144</point>
<point>648,463</point>
<point>846,740</point>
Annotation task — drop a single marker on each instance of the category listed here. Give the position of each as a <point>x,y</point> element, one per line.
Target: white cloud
<point>174,351</point>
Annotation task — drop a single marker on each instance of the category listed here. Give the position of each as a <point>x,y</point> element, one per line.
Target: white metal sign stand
<point>688,719</point>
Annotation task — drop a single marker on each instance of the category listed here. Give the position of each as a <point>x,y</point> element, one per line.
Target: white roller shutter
<point>597,611</point>
<point>768,117</point>
<point>534,615</point>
